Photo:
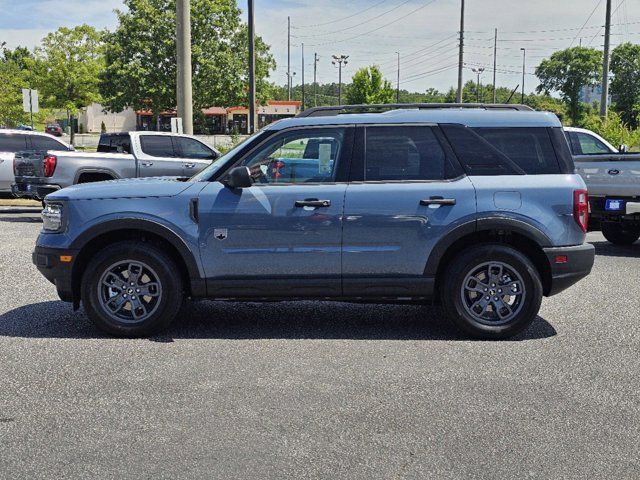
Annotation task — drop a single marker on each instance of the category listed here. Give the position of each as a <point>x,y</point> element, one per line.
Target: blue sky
<point>423,31</point>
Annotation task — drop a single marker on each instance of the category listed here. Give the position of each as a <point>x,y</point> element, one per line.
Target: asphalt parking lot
<point>319,390</point>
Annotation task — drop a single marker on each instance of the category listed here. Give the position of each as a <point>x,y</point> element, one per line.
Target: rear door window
<point>115,144</point>
<point>45,143</point>
<point>157,145</point>
<point>13,143</point>
<point>529,148</point>
<point>190,148</point>
<point>404,153</point>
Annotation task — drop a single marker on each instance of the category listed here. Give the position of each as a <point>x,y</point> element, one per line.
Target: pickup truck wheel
<point>620,234</point>
<point>131,289</point>
<point>491,291</point>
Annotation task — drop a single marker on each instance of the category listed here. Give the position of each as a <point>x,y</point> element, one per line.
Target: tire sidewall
<point>620,234</point>
<point>464,264</point>
<point>163,266</point>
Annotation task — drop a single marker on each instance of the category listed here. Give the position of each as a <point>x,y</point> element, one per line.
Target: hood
<point>126,188</point>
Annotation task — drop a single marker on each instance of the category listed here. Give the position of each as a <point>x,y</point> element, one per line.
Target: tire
<point>620,234</point>
<point>119,308</point>
<point>464,296</point>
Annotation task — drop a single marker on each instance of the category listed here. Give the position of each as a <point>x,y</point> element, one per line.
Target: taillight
<point>581,208</point>
<point>49,163</point>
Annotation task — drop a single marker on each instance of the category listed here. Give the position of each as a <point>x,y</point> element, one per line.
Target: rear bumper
<point>32,189</point>
<point>568,265</point>
<point>47,261</point>
<point>629,213</point>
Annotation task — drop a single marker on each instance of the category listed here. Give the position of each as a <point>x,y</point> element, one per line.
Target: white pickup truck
<point>119,155</point>
<point>613,179</point>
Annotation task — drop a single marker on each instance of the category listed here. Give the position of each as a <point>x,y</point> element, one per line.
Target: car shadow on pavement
<point>276,320</point>
<point>607,249</point>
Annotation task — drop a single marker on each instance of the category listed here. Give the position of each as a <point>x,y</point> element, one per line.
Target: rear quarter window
<point>529,148</point>
<point>13,143</point>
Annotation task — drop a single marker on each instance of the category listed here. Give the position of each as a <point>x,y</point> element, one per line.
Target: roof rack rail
<point>329,111</point>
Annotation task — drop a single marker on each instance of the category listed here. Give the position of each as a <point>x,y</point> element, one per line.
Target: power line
<point>602,26</point>
<point>322,34</point>
<point>343,18</point>
<point>375,29</point>
<point>585,23</point>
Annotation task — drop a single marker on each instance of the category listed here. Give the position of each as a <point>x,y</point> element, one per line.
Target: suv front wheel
<point>131,289</point>
<point>491,291</point>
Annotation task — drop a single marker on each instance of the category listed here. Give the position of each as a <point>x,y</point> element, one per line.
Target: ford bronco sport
<point>474,206</point>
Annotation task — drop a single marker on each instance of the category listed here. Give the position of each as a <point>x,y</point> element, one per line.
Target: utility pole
<point>398,82</point>
<point>315,81</point>
<point>252,70</point>
<point>183,39</point>
<point>478,71</point>
<point>339,60</point>
<point>461,54</point>
<point>289,58</point>
<point>495,64</point>
<point>524,65</point>
<point>605,63</point>
<point>303,77</point>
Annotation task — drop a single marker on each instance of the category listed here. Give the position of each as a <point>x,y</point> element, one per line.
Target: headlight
<point>52,217</point>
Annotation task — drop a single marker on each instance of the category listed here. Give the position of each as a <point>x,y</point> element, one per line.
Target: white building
<point>90,120</point>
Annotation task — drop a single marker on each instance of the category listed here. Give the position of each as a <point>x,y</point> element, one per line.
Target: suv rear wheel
<point>491,291</point>
<point>620,234</point>
<point>131,289</point>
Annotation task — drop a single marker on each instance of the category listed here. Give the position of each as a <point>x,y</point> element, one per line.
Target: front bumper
<point>48,262</point>
<point>568,265</point>
<point>33,190</point>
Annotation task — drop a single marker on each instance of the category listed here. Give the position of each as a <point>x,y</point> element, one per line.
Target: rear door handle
<point>312,202</point>
<point>438,201</point>
<point>189,165</point>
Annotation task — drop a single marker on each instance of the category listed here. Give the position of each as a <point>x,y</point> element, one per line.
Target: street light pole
<point>478,71</point>
<point>524,65</point>
<point>252,70</point>
<point>398,82</point>
<point>339,60</point>
<point>184,87</point>
<point>605,63</point>
<point>303,98</point>
<point>288,58</point>
<point>461,54</point>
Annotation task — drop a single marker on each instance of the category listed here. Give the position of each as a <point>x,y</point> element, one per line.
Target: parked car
<point>478,208</point>
<point>612,176</point>
<point>120,155</point>
<point>25,127</point>
<point>12,141</point>
<point>54,129</point>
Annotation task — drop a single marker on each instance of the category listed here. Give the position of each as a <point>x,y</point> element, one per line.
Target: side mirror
<point>623,148</point>
<point>240,177</point>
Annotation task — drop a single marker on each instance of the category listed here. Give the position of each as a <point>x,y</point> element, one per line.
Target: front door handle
<point>312,202</point>
<point>438,201</point>
<point>146,164</point>
<point>189,165</point>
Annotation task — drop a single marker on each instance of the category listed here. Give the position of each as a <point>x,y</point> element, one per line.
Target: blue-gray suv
<point>476,207</point>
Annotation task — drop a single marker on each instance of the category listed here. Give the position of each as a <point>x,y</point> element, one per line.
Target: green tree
<point>14,75</point>
<point>368,86</point>
<point>68,65</point>
<point>625,86</point>
<point>141,57</point>
<point>566,72</point>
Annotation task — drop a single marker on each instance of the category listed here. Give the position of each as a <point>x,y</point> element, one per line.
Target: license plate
<point>614,205</point>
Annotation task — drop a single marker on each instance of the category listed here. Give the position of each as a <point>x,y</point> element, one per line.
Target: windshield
<point>212,169</point>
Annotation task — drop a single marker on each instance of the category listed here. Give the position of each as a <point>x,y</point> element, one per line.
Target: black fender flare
<point>483,224</point>
<point>198,285</point>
